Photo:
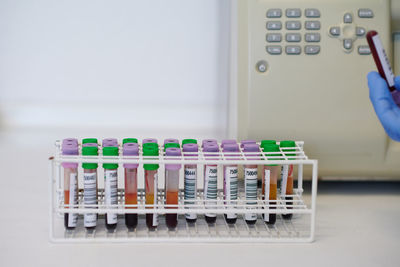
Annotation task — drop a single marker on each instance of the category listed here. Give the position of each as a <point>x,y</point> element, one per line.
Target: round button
<point>261,66</point>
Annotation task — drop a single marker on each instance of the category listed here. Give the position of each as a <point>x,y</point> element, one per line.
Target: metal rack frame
<point>300,229</point>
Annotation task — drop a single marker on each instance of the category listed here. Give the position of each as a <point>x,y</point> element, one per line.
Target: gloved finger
<point>397,83</point>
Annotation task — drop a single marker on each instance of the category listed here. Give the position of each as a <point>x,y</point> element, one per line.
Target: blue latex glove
<point>385,107</point>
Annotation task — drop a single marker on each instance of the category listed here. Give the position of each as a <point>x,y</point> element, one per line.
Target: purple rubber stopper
<point>130,149</point>
<point>70,149</point>
<point>396,97</point>
<point>149,140</point>
<point>208,141</point>
<point>173,151</point>
<point>211,147</point>
<point>244,142</point>
<point>228,141</point>
<point>251,148</point>
<point>171,140</point>
<point>110,142</point>
<point>190,148</point>
<point>231,148</point>
<point>70,141</point>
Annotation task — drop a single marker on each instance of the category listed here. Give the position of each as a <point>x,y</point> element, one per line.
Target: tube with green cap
<point>129,140</point>
<point>270,181</point>
<point>151,183</point>
<point>89,141</point>
<point>287,176</point>
<point>110,186</point>
<point>90,185</point>
<point>168,145</point>
<point>189,141</point>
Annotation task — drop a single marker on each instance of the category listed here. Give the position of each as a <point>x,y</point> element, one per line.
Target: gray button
<point>293,37</point>
<point>293,50</point>
<point>274,49</point>
<point>312,13</point>
<point>261,66</point>
<point>365,13</point>
<point>293,25</point>
<point>274,25</point>
<point>311,49</point>
<point>293,12</point>
<point>335,31</point>
<point>274,37</point>
<point>312,37</point>
<point>347,18</point>
<point>364,50</point>
<point>347,44</point>
<point>360,31</point>
<point>313,25</point>
<point>274,13</point>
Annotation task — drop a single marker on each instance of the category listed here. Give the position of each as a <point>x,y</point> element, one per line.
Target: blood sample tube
<point>287,176</point>
<point>190,179</point>
<point>112,142</point>
<point>245,142</point>
<point>250,180</point>
<point>70,184</point>
<point>89,140</point>
<point>270,181</point>
<point>90,185</point>
<point>130,171</point>
<point>172,186</point>
<point>151,183</point>
<point>382,63</point>
<point>210,180</point>
<point>189,141</point>
<point>110,187</point>
<point>230,180</point>
<point>129,140</point>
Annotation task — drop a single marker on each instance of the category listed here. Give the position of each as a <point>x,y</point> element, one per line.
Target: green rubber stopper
<point>89,140</point>
<point>129,140</point>
<point>189,141</point>
<point>90,151</point>
<point>110,151</point>
<point>150,150</point>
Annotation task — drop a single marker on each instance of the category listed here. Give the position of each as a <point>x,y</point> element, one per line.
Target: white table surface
<point>357,225</point>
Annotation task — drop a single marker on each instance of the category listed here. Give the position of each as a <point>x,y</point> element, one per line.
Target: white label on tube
<point>90,197</point>
<point>230,186</point>
<point>250,188</point>
<point>155,215</point>
<point>190,189</point>
<point>267,181</point>
<point>284,176</point>
<point>73,199</point>
<point>210,187</point>
<point>384,60</point>
<point>110,190</point>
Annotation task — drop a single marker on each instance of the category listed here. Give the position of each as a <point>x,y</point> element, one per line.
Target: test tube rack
<point>300,229</point>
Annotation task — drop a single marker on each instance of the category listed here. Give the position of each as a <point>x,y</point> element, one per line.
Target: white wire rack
<point>300,228</point>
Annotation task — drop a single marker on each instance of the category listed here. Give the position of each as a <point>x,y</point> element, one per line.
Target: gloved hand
<point>385,107</point>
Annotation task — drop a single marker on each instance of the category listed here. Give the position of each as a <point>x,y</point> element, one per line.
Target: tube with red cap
<point>382,63</point>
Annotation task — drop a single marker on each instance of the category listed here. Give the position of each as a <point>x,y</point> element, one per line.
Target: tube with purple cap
<point>130,171</point>
<point>250,180</point>
<point>190,180</point>
<point>230,180</point>
<point>70,184</point>
<point>172,186</point>
<point>210,181</point>
<point>90,185</point>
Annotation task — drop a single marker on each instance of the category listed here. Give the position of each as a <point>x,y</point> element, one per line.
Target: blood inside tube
<point>131,196</point>
<point>171,218</point>
<point>151,219</point>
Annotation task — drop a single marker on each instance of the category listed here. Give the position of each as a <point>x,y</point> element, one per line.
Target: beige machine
<point>300,72</point>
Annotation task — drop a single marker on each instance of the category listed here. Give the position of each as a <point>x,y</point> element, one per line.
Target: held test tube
<point>151,182</point>
<point>287,177</point>
<point>130,171</point>
<point>250,180</point>
<point>172,186</point>
<point>270,182</point>
<point>70,184</point>
<point>90,185</point>
<point>382,63</point>
<point>110,187</point>
<point>190,180</point>
<point>230,180</point>
<point>210,180</point>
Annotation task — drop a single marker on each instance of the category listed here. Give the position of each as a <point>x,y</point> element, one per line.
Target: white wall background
<point>147,67</point>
